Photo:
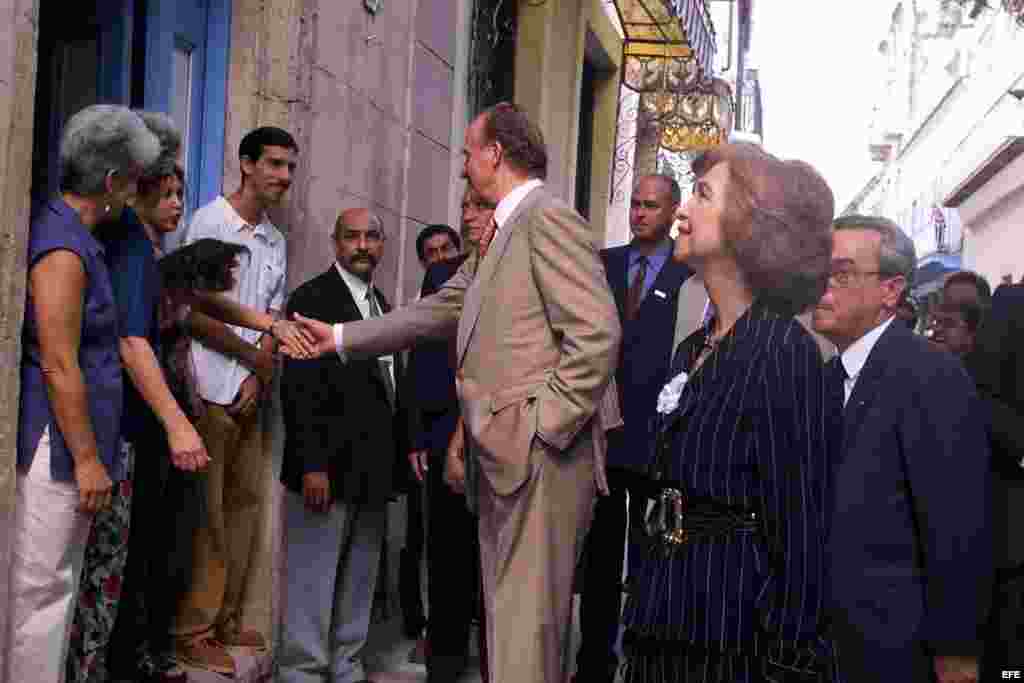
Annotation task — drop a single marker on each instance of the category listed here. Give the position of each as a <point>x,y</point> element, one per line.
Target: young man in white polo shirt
<point>233,367</point>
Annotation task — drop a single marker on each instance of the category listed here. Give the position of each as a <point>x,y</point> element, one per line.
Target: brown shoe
<point>244,638</point>
<point>205,653</point>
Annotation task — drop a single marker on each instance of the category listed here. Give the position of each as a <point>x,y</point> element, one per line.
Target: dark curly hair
<point>778,224</point>
<point>204,265</point>
<point>521,140</point>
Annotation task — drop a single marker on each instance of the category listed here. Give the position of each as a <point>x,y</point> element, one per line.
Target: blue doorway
<point>162,55</point>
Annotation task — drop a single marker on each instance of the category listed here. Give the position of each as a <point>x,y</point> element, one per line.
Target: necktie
<point>636,290</point>
<point>485,239</point>
<point>835,372</point>
<point>385,366</point>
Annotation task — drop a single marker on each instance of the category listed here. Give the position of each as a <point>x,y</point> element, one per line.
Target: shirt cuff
<point>339,335</point>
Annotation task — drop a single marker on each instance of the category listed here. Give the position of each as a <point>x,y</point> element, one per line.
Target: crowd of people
<point>733,443</point>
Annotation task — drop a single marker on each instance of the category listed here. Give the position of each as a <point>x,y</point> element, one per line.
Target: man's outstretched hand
<point>321,334</point>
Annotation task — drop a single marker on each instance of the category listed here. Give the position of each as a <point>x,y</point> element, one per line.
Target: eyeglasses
<point>841,279</point>
<point>946,322</point>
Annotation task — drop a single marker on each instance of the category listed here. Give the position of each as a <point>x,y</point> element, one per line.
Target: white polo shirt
<point>261,285</point>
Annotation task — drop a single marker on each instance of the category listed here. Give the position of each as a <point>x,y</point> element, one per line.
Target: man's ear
<point>499,153</point>
<point>247,166</point>
<point>109,183</point>
<point>894,288</point>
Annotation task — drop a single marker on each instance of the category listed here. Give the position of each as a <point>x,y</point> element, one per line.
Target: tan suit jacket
<point>537,338</point>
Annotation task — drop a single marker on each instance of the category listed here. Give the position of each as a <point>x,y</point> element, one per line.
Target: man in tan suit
<point>537,337</point>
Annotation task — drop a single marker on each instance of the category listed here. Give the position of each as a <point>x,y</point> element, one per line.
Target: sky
<point>818,67</point>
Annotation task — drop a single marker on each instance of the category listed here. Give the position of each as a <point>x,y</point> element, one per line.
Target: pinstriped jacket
<point>754,427</point>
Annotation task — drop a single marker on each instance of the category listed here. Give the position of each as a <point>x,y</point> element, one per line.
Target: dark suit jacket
<point>645,356</point>
<point>751,430</point>
<point>910,542</point>
<point>429,392</point>
<point>997,365</point>
<point>337,416</point>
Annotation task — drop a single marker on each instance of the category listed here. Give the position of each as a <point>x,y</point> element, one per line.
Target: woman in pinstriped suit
<point>732,590</point>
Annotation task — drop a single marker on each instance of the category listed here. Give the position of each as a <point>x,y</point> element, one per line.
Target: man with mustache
<point>339,455</point>
<point>231,384</point>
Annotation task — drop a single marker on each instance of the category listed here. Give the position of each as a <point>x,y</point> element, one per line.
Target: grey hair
<point>375,222</point>
<point>162,126</point>
<point>675,193</point>
<point>897,255</point>
<point>99,139</point>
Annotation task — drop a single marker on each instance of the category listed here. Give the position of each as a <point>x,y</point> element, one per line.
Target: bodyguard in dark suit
<point>340,451</point>
<point>453,551</point>
<point>645,281</point>
<point>910,541</point>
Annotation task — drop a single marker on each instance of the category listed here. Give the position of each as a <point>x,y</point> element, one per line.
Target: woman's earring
<point>106,209</point>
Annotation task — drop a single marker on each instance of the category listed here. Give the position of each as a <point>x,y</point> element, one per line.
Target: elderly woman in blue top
<point>70,407</point>
<point>729,587</point>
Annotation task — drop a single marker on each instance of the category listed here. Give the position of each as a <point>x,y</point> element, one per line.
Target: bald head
<point>652,209</point>
<point>359,241</point>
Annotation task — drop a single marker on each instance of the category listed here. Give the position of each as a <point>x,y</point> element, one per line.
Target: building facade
<point>946,118</point>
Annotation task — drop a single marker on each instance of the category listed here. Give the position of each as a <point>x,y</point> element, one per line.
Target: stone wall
<point>376,108</point>
<point>18,31</point>
<point>370,101</point>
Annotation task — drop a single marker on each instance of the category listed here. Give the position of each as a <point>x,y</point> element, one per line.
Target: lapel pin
<point>660,294</point>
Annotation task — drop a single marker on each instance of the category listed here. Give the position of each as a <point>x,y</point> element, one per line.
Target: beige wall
<point>371,99</point>
<point>993,219</point>
<point>18,36</point>
<point>550,48</point>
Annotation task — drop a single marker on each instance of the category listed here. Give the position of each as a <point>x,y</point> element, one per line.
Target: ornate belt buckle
<point>675,503</point>
<point>665,521</point>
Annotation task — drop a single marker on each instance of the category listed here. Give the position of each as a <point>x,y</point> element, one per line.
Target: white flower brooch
<point>668,399</point>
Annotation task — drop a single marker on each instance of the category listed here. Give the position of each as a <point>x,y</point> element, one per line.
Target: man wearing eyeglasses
<point>910,542</point>
<point>339,458</point>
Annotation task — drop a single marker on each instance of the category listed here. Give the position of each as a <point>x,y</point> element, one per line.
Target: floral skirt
<point>99,591</point>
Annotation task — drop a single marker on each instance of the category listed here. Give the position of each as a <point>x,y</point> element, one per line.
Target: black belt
<point>676,520</point>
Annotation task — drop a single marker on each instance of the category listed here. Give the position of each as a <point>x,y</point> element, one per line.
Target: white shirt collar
<point>507,206</point>
<point>356,285</point>
<point>237,222</point>
<point>854,357</point>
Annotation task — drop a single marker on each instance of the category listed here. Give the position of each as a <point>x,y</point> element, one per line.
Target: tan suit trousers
<point>225,545</point>
<point>529,544</point>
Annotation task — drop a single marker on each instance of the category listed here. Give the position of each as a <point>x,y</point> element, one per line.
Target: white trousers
<point>49,538</point>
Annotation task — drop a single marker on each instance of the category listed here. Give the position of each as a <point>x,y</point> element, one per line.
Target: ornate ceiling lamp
<point>667,58</point>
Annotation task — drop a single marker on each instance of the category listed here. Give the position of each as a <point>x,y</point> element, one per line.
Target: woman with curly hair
<point>729,585</point>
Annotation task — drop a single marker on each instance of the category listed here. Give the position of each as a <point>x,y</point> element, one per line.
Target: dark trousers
<point>409,564</point>
<point>1004,631</point>
<point>453,576</point>
<point>602,565</point>
<point>168,506</point>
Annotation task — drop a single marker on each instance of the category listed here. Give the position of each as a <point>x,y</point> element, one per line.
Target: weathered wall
<point>378,130</point>
<point>370,102</point>
<point>18,37</point>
